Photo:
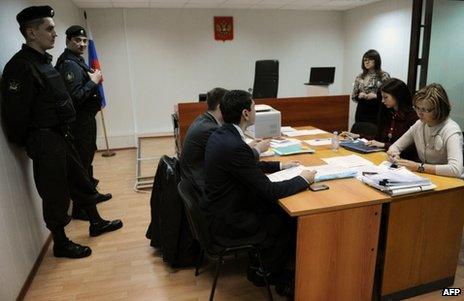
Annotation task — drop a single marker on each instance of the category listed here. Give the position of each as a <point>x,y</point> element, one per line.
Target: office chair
<point>215,250</point>
<point>266,81</point>
<point>365,129</point>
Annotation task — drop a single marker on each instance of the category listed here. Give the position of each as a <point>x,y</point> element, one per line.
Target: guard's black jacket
<point>83,91</point>
<point>37,111</point>
<point>33,95</point>
<point>87,101</point>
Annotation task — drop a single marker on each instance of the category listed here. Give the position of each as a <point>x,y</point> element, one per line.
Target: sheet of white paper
<point>286,174</point>
<point>285,129</point>
<point>347,161</point>
<point>302,133</point>
<point>284,142</point>
<point>318,142</point>
<point>267,153</point>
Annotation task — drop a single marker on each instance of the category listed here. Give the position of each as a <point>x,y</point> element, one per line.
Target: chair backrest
<point>364,129</point>
<point>198,223</point>
<point>266,82</point>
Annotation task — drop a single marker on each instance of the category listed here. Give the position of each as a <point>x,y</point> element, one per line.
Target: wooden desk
<point>330,113</point>
<point>345,232</point>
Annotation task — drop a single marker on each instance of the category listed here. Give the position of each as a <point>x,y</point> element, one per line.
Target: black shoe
<point>256,276</point>
<point>79,214</point>
<point>104,226</point>
<point>71,250</point>
<point>103,197</point>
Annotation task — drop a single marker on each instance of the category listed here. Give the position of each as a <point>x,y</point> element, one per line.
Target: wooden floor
<point>123,266</point>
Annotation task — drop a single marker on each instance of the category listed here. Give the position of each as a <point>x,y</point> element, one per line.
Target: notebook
<point>360,147</point>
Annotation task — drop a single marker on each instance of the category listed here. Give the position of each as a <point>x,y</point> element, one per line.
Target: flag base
<point>108,153</point>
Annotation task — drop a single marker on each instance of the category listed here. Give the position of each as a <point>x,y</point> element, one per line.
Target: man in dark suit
<point>192,158</point>
<point>240,199</point>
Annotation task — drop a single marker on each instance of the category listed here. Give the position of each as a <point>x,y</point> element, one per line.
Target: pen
<point>324,139</point>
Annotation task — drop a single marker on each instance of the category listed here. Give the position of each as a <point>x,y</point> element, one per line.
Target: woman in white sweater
<point>438,139</point>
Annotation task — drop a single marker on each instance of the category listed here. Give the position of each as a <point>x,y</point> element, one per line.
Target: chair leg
<point>199,262</point>
<point>266,281</point>
<point>218,266</point>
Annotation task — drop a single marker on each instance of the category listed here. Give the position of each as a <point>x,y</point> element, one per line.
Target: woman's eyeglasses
<point>422,110</point>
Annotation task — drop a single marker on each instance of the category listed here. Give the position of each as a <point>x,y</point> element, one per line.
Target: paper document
<point>347,161</point>
<point>304,133</point>
<point>324,173</point>
<point>285,129</point>
<point>267,153</point>
<point>319,142</point>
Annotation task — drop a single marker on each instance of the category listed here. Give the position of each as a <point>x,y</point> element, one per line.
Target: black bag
<point>169,230</point>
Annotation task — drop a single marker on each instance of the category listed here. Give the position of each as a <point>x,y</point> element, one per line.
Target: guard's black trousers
<point>59,176</point>
<point>84,131</point>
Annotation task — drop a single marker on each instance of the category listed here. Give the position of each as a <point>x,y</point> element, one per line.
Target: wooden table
<point>356,243</point>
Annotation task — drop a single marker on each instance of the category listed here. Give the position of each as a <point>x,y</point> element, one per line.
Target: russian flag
<point>95,64</point>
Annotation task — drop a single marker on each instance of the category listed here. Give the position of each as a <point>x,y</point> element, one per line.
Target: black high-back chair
<point>365,129</point>
<point>266,81</point>
<point>213,249</point>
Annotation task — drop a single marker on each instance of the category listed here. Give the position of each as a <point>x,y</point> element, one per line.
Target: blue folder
<point>360,147</point>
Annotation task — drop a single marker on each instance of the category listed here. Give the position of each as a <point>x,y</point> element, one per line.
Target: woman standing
<point>438,139</point>
<point>366,86</point>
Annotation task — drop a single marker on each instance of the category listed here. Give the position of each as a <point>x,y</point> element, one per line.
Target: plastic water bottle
<point>335,142</point>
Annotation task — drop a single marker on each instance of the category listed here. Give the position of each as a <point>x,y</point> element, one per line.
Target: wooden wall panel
<point>329,113</point>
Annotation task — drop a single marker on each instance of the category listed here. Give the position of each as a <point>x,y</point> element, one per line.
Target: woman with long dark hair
<point>395,117</point>
<point>366,85</point>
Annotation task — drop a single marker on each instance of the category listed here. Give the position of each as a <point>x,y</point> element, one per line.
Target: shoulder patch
<point>70,76</point>
<point>14,86</point>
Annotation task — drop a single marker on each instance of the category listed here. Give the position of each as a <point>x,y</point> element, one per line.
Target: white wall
<point>446,58</point>
<point>22,230</point>
<point>155,58</point>
<point>384,26</point>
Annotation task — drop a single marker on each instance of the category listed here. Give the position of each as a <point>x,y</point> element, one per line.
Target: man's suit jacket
<point>238,192</point>
<point>192,158</point>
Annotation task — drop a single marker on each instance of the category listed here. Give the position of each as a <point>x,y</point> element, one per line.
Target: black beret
<point>75,31</point>
<point>34,12</point>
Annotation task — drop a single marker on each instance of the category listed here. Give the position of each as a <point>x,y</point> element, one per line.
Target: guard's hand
<point>308,175</point>
<point>96,76</point>
<point>375,143</point>
<point>290,164</point>
<point>263,145</point>
<point>362,95</point>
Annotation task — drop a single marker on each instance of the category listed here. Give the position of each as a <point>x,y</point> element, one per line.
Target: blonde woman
<point>438,139</point>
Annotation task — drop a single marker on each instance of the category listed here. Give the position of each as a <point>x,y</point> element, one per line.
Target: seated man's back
<point>192,158</point>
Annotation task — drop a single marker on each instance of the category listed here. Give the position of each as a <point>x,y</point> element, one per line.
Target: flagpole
<point>107,152</point>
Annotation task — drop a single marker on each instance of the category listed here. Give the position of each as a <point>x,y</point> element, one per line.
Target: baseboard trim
<point>33,272</point>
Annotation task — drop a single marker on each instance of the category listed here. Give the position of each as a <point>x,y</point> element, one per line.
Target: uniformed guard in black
<point>37,111</point>
<point>82,84</point>
<point>84,93</point>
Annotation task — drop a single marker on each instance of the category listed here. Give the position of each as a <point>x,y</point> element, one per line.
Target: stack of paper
<point>397,181</point>
<point>289,147</point>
